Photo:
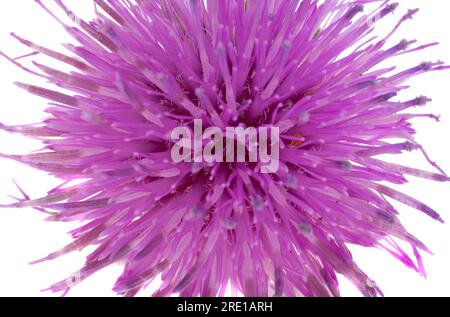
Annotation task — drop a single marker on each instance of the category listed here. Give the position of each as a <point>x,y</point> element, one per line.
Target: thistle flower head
<point>307,69</point>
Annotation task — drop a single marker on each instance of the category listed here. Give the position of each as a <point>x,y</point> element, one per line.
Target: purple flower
<point>310,70</point>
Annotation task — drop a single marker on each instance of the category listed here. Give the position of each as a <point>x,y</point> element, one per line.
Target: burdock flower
<point>309,70</point>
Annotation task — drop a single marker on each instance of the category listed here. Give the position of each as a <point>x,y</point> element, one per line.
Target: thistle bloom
<point>310,68</point>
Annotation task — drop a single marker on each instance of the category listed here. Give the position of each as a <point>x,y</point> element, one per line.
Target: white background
<point>25,237</point>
